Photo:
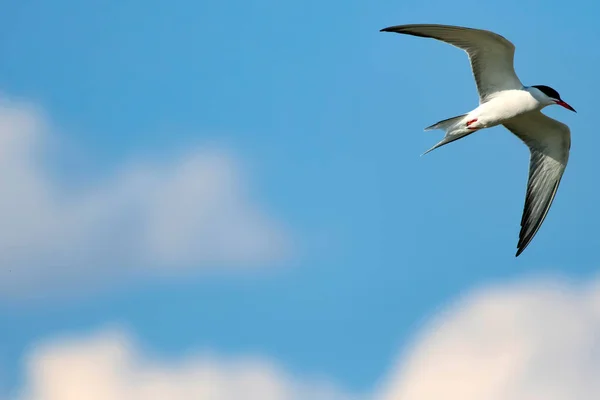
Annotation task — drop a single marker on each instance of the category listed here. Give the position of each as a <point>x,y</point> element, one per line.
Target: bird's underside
<point>491,57</point>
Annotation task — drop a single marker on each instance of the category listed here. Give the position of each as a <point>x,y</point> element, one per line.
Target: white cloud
<point>526,341</point>
<point>109,366</point>
<point>192,212</point>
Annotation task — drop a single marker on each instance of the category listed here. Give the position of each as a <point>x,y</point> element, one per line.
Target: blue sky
<point>324,117</point>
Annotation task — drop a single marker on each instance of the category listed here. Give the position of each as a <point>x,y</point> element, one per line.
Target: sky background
<point>243,179</point>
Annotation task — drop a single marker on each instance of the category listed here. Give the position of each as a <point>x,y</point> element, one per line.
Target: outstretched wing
<point>490,54</point>
<point>549,142</point>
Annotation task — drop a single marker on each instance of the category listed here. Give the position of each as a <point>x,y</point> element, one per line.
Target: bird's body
<point>503,106</point>
<point>504,100</point>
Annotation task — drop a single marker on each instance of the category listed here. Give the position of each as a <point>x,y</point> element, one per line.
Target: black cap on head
<point>548,91</point>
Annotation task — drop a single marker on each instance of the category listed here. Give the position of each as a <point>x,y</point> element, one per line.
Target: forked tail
<point>446,123</point>
<point>454,129</point>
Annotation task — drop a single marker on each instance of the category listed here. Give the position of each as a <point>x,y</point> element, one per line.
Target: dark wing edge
<point>549,143</point>
<point>538,200</point>
<point>411,29</point>
<point>489,53</point>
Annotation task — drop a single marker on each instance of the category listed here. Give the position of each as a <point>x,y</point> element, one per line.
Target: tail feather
<point>453,128</point>
<point>447,139</point>
<point>446,123</point>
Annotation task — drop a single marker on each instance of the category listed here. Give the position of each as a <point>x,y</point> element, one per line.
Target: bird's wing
<point>490,54</point>
<point>549,142</point>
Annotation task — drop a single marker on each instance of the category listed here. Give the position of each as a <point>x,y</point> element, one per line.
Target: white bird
<point>504,100</point>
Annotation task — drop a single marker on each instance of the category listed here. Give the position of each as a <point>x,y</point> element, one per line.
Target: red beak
<point>565,105</point>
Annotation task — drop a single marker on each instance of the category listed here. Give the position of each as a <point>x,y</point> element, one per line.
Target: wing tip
<point>398,28</point>
<point>524,240</point>
<point>521,247</point>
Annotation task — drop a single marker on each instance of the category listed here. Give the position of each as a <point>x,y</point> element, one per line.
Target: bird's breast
<point>506,105</point>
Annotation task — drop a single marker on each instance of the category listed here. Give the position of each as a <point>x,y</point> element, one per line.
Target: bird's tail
<point>446,123</point>
<point>454,129</point>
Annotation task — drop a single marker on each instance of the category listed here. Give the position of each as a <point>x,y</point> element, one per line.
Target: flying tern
<point>504,100</point>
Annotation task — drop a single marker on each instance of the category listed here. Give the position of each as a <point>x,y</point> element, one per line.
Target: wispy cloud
<point>192,212</point>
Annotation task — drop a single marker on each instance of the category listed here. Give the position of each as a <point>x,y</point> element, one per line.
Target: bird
<point>504,100</point>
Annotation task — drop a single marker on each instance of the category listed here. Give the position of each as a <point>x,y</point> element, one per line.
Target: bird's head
<point>548,96</point>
